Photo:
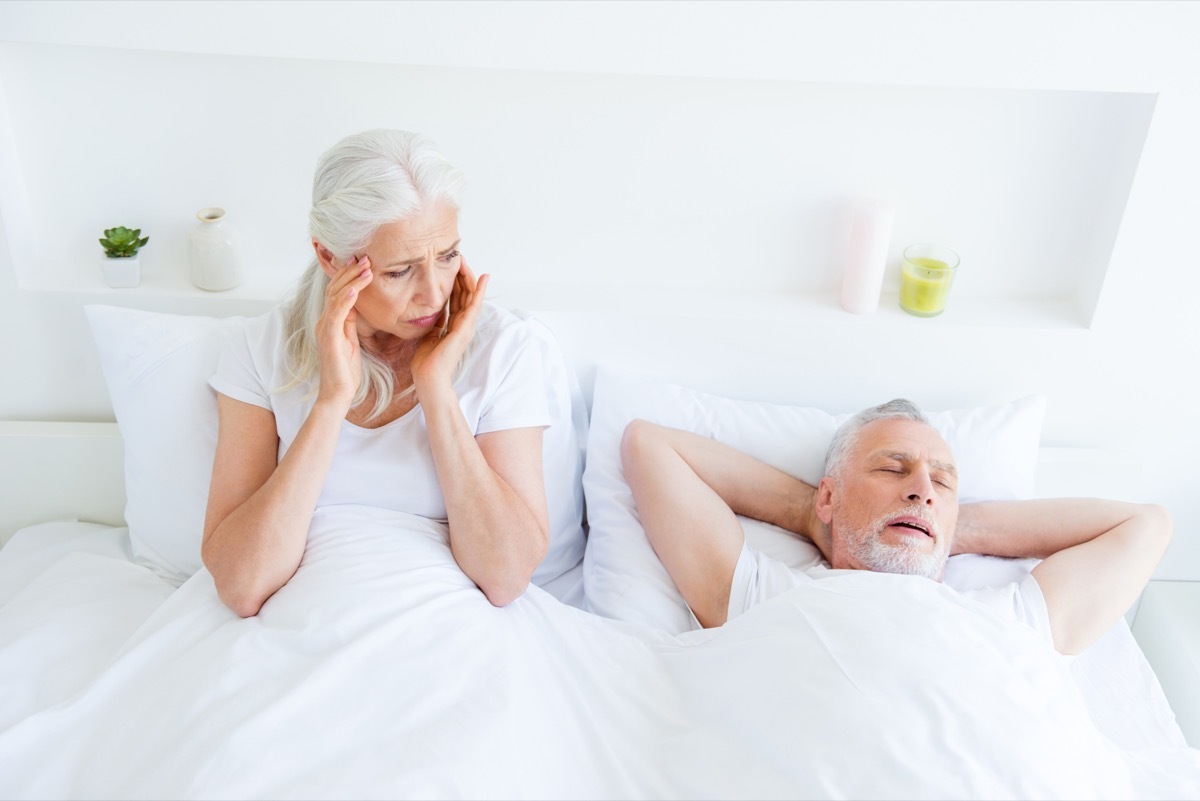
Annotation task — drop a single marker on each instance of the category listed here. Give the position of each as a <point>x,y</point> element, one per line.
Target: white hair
<point>365,181</point>
<point>847,434</point>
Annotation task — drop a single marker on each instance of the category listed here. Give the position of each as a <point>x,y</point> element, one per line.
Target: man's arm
<point>1097,555</point>
<point>688,490</point>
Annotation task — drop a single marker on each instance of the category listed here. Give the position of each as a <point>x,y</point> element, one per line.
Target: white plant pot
<point>215,252</point>
<point>122,272</point>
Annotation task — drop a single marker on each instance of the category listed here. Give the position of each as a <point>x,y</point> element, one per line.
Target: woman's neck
<point>391,350</point>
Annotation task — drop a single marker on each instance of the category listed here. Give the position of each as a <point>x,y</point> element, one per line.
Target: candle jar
<point>926,276</point>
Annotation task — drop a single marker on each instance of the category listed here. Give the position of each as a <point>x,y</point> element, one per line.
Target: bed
<point>380,671</point>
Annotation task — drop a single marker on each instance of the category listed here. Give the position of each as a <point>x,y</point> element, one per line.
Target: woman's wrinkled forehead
<point>430,231</point>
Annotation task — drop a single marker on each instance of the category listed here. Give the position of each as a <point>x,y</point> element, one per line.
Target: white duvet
<point>380,671</point>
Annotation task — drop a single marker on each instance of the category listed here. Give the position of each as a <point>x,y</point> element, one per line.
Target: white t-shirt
<point>758,577</point>
<point>502,386</point>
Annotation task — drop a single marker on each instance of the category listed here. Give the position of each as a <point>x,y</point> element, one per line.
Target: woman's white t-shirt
<point>501,386</point>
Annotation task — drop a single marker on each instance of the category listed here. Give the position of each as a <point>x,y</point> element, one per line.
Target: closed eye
<point>448,257</point>
<point>399,273</point>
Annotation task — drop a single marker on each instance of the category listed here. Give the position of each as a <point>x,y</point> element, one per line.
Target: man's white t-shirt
<point>758,577</point>
<point>501,386</point>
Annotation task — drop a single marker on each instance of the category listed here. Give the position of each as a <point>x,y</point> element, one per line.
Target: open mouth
<point>914,525</point>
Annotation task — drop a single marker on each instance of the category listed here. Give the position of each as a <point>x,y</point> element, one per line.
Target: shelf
<point>816,309</point>
<point>819,308</point>
<point>157,282</point>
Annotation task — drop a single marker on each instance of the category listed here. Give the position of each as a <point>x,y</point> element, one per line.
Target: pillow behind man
<point>996,447</point>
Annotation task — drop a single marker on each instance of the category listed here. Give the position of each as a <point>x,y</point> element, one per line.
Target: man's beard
<point>867,547</point>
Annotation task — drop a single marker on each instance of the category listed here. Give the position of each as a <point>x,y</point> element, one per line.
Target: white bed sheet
<point>381,671</point>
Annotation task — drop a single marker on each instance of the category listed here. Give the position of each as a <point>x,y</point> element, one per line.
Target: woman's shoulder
<point>265,331</point>
<point>256,346</point>
<point>497,327</point>
<point>504,337</point>
<point>493,319</point>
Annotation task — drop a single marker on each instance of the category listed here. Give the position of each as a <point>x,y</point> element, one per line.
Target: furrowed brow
<point>419,259</point>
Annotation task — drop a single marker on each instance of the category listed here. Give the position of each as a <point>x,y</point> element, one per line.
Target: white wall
<point>580,178</point>
<point>722,291</point>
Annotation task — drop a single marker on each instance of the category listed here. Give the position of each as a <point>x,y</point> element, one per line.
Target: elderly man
<point>888,503</point>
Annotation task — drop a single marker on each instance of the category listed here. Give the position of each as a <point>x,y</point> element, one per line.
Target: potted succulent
<point>121,265</point>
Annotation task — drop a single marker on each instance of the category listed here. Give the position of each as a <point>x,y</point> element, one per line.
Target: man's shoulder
<point>1020,600</point>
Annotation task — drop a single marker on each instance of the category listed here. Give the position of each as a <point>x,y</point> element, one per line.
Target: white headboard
<point>60,471</point>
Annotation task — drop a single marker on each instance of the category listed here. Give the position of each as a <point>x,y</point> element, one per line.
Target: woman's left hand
<point>439,353</point>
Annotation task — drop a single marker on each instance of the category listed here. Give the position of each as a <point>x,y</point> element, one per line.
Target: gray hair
<point>847,434</point>
<point>365,181</point>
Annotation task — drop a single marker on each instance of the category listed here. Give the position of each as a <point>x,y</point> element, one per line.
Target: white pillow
<point>157,368</point>
<point>563,445</point>
<point>996,448</point>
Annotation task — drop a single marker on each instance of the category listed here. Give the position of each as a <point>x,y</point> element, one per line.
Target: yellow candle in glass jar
<point>925,279</point>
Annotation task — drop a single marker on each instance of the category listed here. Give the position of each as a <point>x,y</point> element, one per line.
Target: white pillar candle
<point>866,256</point>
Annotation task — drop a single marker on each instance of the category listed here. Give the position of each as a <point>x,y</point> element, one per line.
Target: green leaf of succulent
<point>121,242</point>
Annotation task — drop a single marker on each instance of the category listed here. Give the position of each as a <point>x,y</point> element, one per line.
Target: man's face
<point>894,506</point>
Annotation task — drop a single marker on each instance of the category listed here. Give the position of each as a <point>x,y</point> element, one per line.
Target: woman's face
<point>414,262</point>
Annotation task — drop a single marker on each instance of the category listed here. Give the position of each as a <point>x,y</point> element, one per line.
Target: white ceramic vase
<point>122,272</point>
<point>215,252</point>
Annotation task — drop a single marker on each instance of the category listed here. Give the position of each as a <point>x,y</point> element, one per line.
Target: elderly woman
<point>387,381</point>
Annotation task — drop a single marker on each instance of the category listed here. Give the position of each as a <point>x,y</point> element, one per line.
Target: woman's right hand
<point>338,347</point>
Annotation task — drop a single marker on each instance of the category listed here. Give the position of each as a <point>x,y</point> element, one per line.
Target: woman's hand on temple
<point>439,353</point>
<point>337,334</point>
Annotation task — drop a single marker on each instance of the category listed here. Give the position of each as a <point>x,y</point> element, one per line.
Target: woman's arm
<point>259,513</point>
<point>256,525</point>
<point>493,483</point>
<point>495,497</point>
